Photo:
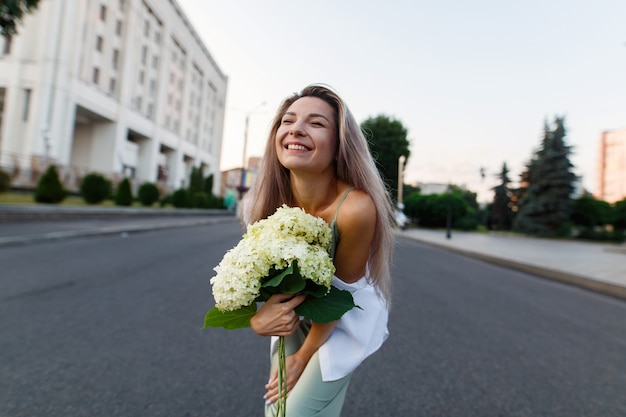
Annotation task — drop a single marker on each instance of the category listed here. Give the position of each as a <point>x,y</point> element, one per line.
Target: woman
<point>317,158</point>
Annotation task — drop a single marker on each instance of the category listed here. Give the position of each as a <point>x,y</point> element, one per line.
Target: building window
<point>103,12</point>
<point>155,62</point>
<point>152,88</point>
<point>96,75</point>
<point>6,50</point>
<point>118,28</point>
<point>26,104</point>
<point>122,5</point>
<point>141,76</point>
<point>116,58</point>
<point>150,110</point>
<point>144,54</point>
<point>112,86</point>
<point>157,37</point>
<point>146,28</point>
<point>99,43</point>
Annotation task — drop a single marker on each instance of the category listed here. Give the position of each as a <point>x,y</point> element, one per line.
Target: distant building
<point>611,173</point>
<point>432,188</point>
<point>232,180</point>
<point>125,88</point>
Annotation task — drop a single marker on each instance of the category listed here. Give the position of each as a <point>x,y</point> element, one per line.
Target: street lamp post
<point>449,215</point>
<point>401,160</point>
<point>242,185</point>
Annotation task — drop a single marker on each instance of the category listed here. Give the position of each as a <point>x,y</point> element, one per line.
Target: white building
<point>120,87</point>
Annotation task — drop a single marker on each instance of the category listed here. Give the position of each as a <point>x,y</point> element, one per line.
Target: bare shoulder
<point>357,210</point>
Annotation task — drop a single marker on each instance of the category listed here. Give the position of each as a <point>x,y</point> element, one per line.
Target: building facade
<point>611,169</point>
<point>125,88</point>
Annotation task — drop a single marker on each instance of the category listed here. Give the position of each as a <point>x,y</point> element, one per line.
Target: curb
<point>26,212</point>
<point>113,230</point>
<point>601,287</point>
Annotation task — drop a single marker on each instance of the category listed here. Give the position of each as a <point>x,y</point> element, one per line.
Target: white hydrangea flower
<point>275,242</point>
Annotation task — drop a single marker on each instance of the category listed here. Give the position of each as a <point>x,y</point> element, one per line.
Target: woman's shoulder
<point>358,207</point>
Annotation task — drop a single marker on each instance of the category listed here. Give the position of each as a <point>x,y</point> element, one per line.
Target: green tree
<point>387,139</point>
<point>545,207</point>
<point>196,180</point>
<point>208,184</point>
<point>589,212</point>
<point>501,213</point>
<point>124,194</point>
<point>12,12</point>
<point>431,210</point>
<point>5,181</point>
<point>49,188</point>
<point>619,215</point>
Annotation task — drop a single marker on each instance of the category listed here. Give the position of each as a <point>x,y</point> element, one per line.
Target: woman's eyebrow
<point>290,113</point>
<point>319,115</point>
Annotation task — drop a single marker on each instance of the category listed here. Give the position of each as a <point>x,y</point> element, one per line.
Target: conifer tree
<point>546,205</point>
<point>501,212</point>
<point>49,188</point>
<point>124,194</point>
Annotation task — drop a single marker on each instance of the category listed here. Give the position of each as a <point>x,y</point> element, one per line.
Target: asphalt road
<point>111,326</point>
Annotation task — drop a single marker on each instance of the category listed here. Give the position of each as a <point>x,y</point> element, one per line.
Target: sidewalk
<point>599,267</point>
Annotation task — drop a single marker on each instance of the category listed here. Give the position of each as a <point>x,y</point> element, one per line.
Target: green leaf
<point>329,308</point>
<point>288,281</point>
<point>237,319</point>
<point>315,290</point>
<point>276,280</point>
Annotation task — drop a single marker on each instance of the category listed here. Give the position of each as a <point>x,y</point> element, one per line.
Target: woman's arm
<point>357,223</point>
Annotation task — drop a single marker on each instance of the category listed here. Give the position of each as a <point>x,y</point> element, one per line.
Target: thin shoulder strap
<point>343,197</point>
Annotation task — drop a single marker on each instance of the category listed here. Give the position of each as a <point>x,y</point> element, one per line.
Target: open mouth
<point>296,147</point>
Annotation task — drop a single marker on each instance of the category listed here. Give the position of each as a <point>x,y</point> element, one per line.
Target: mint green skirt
<point>310,396</point>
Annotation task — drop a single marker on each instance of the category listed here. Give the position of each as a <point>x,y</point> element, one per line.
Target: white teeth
<point>297,147</point>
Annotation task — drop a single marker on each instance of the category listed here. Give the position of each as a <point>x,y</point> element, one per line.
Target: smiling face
<point>307,136</point>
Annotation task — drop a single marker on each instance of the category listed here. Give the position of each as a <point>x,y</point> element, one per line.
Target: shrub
<point>124,194</point>
<point>49,188</point>
<point>200,199</point>
<point>95,188</point>
<point>216,202</point>
<point>167,200</point>
<point>180,198</point>
<point>5,181</point>
<point>148,193</point>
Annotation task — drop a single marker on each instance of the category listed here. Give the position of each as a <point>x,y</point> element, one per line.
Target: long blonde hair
<point>354,165</point>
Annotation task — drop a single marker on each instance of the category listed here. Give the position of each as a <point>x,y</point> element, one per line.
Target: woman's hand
<point>294,367</point>
<point>277,316</point>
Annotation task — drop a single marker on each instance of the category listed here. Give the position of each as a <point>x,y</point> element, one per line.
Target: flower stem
<point>282,379</point>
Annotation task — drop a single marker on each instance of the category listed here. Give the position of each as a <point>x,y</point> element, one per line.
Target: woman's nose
<point>296,129</point>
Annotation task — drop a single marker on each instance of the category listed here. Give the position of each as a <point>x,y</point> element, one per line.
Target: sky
<point>472,81</point>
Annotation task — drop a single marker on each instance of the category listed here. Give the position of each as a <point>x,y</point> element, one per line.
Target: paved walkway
<point>597,266</point>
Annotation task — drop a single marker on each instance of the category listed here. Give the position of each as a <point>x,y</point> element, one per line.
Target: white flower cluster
<point>287,235</point>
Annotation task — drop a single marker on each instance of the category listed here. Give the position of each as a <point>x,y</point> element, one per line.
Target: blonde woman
<point>317,158</point>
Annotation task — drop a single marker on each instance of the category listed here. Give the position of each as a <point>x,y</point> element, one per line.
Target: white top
<point>359,333</point>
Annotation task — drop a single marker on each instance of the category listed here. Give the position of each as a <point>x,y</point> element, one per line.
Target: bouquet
<point>286,253</point>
